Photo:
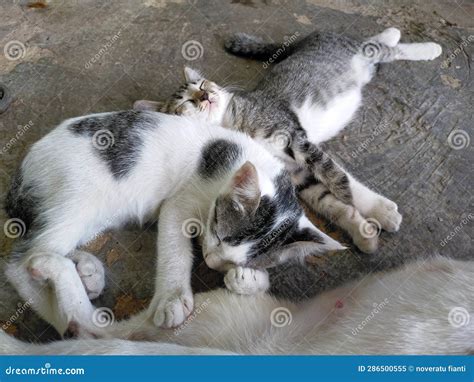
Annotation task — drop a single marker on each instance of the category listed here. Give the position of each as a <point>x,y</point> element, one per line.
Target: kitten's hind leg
<point>317,196</point>
<point>389,37</point>
<point>381,210</point>
<point>422,51</point>
<point>50,284</point>
<point>91,271</point>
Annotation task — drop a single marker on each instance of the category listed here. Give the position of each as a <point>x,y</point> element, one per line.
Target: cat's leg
<point>58,277</point>
<point>173,299</point>
<point>389,37</point>
<point>59,236</point>
<point>247,281</point>
<point>381,210</point>
<point>91,271</point>
<point>363,220</point>
<point>422,51</point>
<point>321,165</point>
<point>385,47</point>
<point>50,284</point>
<point>346,216</point>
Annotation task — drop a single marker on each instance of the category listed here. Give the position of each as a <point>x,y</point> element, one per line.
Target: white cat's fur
<point>423,308</point>
<point>80,198</point>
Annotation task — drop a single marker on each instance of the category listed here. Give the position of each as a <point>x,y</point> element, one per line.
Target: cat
<point>421,308</point>
<point>96,172</point>
<point>306,98</point>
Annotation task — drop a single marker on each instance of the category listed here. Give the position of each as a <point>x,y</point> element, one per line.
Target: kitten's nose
<point>203,96</point>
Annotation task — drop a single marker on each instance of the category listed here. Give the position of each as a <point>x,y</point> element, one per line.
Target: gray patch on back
<point>117,137</point>
<point>217,157</point>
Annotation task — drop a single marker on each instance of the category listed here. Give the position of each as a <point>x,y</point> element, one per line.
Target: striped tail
<point>245,45</point>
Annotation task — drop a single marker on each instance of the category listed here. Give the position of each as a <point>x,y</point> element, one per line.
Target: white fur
<point>81,197</point>
<point>406,311</point>
<point>324,122</point>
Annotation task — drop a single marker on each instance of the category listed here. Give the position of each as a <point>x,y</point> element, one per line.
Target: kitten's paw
<point>246,281</point>
<point>386,215</point>
<point>427,51</point>
<point>390,37</point>
<point>91,271</point>
<point>46,267</point>
<point>433,50</point>
<point>171,310</point>
<point>366,237</point>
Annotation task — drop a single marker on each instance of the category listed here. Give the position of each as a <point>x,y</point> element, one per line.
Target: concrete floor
<point>91,56</point>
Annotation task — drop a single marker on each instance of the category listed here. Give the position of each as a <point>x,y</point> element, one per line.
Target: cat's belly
<point>324,122</point>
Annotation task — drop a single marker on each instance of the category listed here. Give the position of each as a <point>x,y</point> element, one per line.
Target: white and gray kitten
<point>96,172</point>
<point>310,95</point>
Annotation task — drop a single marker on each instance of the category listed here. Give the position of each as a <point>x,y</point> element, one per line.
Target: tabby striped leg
<point>323,167</point>
<point>320,199</point>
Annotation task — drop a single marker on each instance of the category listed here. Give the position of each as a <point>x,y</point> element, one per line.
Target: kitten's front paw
<point>171,310</point>
<point>91,272</point>
<point>386,214</point>
<point>246,280</point>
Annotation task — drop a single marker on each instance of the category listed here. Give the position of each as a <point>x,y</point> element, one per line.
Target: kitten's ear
<point>191,75</point>
<point>245,189</point>
<point>144,104</point>
<point>306,241</point>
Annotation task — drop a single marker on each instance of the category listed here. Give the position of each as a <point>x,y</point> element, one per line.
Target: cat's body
<point>96,172</point>
<point>302,101</point>
<point>423,308</point>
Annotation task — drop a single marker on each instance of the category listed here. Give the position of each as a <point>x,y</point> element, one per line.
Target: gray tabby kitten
<point>96,172</point>
<point>305,99</point>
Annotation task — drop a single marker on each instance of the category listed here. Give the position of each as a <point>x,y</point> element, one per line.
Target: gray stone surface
<point>92,56</point>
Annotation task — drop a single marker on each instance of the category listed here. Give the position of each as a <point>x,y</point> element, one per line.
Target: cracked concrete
<point>408,141</point>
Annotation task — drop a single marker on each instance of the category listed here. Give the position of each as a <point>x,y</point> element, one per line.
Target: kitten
<point>96,172</point>
<point>305,99</point>
<point>417,309</point>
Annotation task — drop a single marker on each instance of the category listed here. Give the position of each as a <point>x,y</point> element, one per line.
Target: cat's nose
<point>203,96</point>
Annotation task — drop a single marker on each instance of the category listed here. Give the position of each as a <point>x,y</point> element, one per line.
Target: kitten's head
<point>197,96</point>
<point>259,223</point>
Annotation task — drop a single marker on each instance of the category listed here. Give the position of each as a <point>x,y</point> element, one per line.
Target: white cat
<point>212,185</point>
<point>423,308</point>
